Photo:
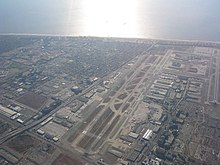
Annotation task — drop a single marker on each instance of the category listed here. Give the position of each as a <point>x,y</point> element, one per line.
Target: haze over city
<point>109,82</point>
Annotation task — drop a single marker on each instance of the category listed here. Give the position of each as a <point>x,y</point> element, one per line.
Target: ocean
<point>166,19</point>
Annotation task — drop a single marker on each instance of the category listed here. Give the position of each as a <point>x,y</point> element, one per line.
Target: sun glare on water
<point>115,18</point>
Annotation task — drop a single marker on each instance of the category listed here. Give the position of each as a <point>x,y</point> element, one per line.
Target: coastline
<point>127,38</point>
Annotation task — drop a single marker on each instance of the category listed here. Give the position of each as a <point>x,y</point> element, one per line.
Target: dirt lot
<point>22,143</point>
<point>33,100</point>
<point>66,160</point>
<point>3,127</point>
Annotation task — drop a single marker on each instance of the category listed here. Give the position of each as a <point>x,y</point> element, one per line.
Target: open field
<point>33,100</point>
<point>23,143</point>
<point>3,127</point>
<point>66,160</point>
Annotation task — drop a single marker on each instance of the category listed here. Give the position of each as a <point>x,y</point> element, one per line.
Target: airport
<point>109,101</point>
